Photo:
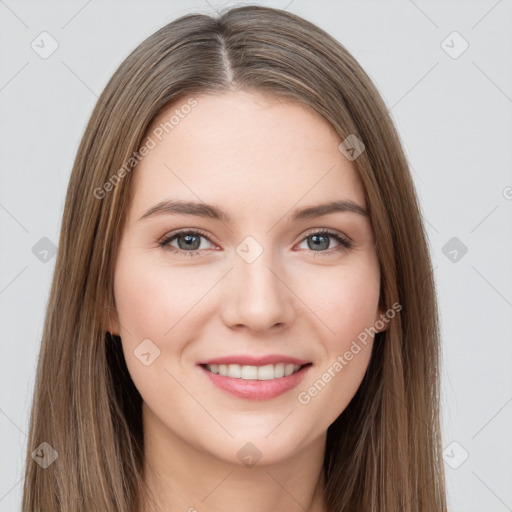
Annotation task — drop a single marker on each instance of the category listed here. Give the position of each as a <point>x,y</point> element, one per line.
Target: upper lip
<point>246,360</point>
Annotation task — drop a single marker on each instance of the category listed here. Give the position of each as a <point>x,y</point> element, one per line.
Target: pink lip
<point>256,389</point>
<point>255,361</point>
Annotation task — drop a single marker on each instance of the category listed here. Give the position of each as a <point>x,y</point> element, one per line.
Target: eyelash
<point>345,243</point>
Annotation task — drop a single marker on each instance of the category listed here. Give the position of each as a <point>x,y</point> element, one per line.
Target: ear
<point>381,321</point>
<point>113,323</point>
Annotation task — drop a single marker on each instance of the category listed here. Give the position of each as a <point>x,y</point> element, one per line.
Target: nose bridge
<point>258,297</point>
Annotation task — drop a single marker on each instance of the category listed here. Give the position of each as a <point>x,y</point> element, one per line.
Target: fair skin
<point>258,159</point>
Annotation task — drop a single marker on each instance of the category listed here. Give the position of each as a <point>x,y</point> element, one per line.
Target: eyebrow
<point>210,211</point>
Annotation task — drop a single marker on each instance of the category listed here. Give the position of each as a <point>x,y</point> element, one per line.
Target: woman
<point>292,362</point>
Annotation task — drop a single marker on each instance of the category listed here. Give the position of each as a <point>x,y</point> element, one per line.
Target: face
<point>241,283</point>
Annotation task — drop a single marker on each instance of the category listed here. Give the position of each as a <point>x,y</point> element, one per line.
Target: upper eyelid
<point>184,231</point>
<point>311,231</point>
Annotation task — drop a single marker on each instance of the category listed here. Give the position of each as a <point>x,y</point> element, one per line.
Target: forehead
<point>246,149</point>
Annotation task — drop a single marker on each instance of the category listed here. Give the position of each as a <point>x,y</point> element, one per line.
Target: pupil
<point>316,245</point>
<point>189,242</point>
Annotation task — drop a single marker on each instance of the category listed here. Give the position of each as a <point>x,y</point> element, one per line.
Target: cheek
<point>350,313</point>
<point>153,303</point>
<point>139,302</point>
<point>346,300</point>
<point>151,299</point>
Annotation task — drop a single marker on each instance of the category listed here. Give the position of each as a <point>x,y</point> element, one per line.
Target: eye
<point>189,242</point>
<point>318,241</point>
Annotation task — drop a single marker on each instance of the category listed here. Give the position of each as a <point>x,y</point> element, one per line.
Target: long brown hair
<point>383,453</point>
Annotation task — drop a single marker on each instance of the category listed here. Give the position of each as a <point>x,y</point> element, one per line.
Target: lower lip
<point>256,389</point>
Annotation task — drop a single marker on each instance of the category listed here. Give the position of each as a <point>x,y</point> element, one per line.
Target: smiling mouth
<point>248,372</point>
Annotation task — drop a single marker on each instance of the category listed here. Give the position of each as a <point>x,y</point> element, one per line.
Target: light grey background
<point>454,118</point>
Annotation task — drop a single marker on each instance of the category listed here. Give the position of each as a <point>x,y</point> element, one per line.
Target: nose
<point>258,295</point>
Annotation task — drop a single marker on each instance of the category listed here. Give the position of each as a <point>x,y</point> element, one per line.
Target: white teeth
<point>235,371</point>
<point>248,372</point>
<point>279,370</point>
<point>289,369</point>
<point>267,372</point>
